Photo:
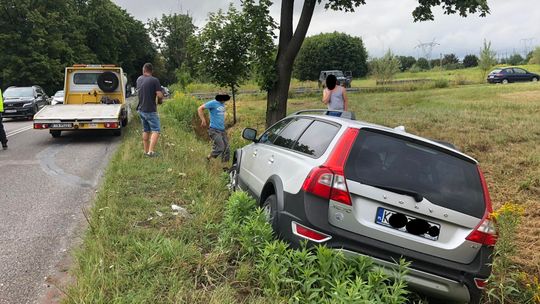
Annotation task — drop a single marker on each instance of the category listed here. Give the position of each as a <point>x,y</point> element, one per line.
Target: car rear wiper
<point>417,196</point>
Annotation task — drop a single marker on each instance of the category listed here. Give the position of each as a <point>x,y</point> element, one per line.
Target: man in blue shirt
<point>217,133</point>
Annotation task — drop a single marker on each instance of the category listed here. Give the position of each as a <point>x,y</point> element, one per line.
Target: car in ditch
<point>24,102</point>
<point>375,191</point>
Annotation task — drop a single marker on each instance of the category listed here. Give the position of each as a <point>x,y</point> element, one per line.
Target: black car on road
<point>511,74</point>
<point>21,102</point>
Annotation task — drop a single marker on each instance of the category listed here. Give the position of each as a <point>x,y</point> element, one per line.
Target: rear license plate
<point>61,125</point>
<point>408,224</point>
<point>491,76</point>
<point>11,111</point>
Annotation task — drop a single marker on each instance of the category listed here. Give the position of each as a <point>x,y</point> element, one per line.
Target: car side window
<point>290,134</point>
<point>270,135</point>
<point>509,71</point>
<point>316,138</point>
<point>519,71</point>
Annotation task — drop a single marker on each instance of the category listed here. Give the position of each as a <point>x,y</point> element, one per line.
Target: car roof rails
<point>336,113</point>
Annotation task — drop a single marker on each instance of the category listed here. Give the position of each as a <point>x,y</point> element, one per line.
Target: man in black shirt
<point>150,95</point>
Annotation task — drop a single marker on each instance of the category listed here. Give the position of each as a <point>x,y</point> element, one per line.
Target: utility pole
<point>427,49</point>
<point>527,45</point>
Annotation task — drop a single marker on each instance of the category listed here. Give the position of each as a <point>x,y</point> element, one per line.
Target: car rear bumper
<point>19,112</point>
<point>433,276</point>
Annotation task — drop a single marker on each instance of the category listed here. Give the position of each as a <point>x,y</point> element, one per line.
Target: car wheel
<point>55,133</point>
<point>270,209</point>
<point>504,81</point>
<point>534,79</point>
<point>233,177</point>
<point>125,122</point>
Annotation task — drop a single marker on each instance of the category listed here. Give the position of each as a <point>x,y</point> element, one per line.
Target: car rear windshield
<point>496,71</point>
<point>391,161</point>
<point>19,92</point>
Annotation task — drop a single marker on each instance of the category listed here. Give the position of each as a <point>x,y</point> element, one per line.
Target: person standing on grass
<point>150,95</point>
<point>216,131</point>
<point>3,137</point>
<point>334,95</point>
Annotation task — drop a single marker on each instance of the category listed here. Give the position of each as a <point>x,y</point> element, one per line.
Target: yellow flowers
<point>508,208</point>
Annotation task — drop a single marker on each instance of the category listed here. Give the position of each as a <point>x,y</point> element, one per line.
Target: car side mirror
<point>250,134</point>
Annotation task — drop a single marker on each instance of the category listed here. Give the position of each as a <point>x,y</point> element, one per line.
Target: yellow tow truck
<point>95,99</point>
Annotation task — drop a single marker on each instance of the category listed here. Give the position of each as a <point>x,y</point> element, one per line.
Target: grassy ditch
<point>139,250</point>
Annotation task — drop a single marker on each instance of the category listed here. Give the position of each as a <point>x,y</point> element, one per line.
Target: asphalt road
<point>45,184</point>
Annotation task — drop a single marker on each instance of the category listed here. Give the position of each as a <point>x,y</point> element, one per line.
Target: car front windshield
<point>337,73</point>
<point>19,92</point>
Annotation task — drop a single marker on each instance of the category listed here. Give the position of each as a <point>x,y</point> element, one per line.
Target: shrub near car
<point>376,191</point>
<point>511,74</point>
<point>23,102</point>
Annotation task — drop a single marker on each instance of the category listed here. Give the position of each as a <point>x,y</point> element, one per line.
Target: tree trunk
<point>289,45</point>
<point>233,89</point>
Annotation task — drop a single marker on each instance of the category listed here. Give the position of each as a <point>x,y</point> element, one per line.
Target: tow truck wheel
<point>55,133</point>
<point>124,122</point>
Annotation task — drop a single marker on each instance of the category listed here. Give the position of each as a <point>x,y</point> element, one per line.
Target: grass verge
<point>139,250</point>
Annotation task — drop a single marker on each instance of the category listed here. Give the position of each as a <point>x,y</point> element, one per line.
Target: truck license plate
<point>61,125</point>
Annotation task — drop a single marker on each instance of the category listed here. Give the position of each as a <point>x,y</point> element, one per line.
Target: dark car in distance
<point>24,102</point>
<point>511,74</point>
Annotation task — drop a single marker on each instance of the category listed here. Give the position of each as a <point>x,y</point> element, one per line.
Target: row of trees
<point>39,38</point>
<point>451,61</point>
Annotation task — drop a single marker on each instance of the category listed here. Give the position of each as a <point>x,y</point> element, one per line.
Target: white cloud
<point>387,24</point>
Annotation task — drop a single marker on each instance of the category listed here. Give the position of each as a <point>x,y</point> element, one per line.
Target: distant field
<point>469,76</point>
<point>497,124</point>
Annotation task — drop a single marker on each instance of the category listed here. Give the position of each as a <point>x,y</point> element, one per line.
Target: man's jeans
<point>221,144</point>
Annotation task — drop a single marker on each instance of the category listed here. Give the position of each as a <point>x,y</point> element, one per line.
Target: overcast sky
<point>512,26</point>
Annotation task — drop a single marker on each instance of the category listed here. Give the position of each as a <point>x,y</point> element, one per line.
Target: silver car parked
<point>376,191</point>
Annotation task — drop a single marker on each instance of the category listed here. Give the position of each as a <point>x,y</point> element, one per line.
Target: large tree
<point>330,51</point>
<point>291,38</point>
<point>224,50</point>
<point>172,34</point>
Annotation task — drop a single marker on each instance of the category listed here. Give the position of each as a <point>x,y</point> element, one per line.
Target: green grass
<point>454,77</point>
<point>131,254</point>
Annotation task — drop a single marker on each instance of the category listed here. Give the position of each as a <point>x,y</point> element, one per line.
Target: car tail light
<point>41,126</point>
<point>485,233</point>
<point>328,181</point>
<point>111,125</point>
<point>308,233</point>
<point>480,283</point>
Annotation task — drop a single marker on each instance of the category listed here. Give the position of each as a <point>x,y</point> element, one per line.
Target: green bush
<point>183,109</point>
<point>441,83</point>
<point>306,275</point>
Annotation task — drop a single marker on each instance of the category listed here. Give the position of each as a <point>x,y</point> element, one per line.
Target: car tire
<point>124,122</point>
<point>55,133</point>
<point>504,81</point>
<point>233,177</point>
<point>534,79</point>
<point>270,208</point>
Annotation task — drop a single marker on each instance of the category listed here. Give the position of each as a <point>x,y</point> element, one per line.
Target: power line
<point>427,49</point>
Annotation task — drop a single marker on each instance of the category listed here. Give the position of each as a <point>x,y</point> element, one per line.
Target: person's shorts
<point>150,121</point>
